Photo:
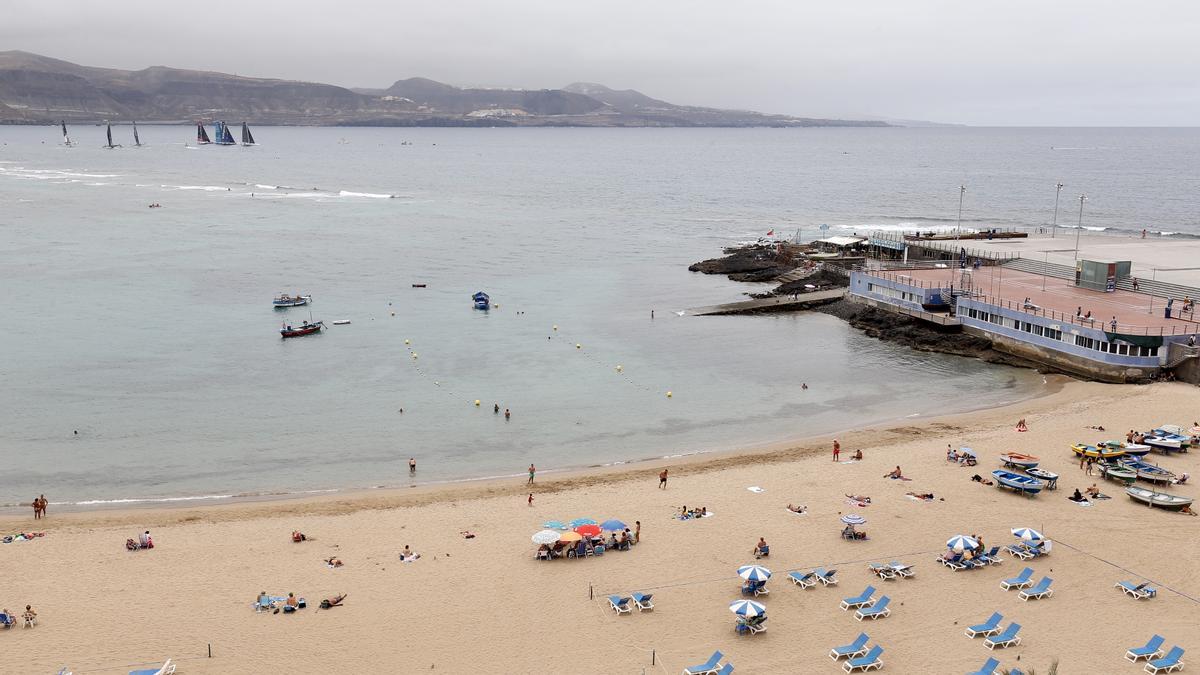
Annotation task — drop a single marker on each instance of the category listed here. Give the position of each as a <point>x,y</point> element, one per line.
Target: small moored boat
<point>284,300</point>
<point>1159,499</point>
<point>1130,449</point>
<point>1101,451</point>
<point>1114,471</point>
<point>482,301</point>
<point>304,329</point>
<point>1018,460</point>
<point>1050,478</point>
<point>418,285</point>
<point>1015,481</point>
<point>1147,471</point>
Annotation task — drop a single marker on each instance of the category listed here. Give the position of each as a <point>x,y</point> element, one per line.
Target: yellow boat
<point>1102,452</point>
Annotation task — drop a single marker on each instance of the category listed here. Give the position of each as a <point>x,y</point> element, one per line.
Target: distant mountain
<point>38,89</point>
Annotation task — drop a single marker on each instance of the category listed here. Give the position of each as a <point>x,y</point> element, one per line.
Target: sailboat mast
<point>66,138</point>
<point>136,141</point>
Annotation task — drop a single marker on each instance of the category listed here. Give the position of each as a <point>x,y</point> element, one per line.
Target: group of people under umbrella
<point>751,615</point>
<point>582,537</point>
<point>970,551</point>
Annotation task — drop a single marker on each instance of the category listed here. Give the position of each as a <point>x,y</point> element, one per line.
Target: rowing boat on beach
<point>1018,460</point>
<point>1149,472</point>
<point>1130,449</point>
<point>1049,477</point>
<point>1159,499</point>
<point>1101,451</point>
<point>1015,481</point>
<point>1114,471</point>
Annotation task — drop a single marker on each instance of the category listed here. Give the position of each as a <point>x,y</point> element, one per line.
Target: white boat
<point>1147,471</point>
<point>1160,499</point>
<point>1017,482</point>
<point>285,300</point>
<point>1131,449</point>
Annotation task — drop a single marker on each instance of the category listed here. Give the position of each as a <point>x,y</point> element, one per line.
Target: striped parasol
<point>747,608</point>
<point>853,519</point>
<point>961,542</point>
<point>754,573</point>
<point>1027,534</point>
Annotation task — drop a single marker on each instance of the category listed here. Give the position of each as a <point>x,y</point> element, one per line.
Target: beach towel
<point>855,502</point>
<point>918,499</point>
<point>756,489</point>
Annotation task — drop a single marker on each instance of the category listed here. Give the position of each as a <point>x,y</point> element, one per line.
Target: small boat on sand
<point>284,301</point>
<point>1149,472</point>
<point>1114,471</point>
<point>1168,438</point>
<point>1130,449</point>
<point>1101,451</point>
<point>1018,460</point>
<point>1049,477</point>
<point>1015,481</point>
<point>482,301</point>
<point>304,329</point>
<point>1159,499</point>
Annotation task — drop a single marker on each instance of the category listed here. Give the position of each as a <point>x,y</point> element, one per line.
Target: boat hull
<point>1160,499</point>
<point>290,301</point>
<point>301,331</point>
<point>1020,461</point>
<point>1012,481</point>
<point>1099,452</point>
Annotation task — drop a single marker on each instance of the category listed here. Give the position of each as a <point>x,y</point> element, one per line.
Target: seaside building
<point>1088,320</point>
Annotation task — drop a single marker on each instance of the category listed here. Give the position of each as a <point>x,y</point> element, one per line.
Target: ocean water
<point>151,333</point>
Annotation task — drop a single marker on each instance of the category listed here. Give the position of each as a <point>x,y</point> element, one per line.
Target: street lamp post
<point>1079,228</point>
<point>1057,194</point>
<point>962,190</point>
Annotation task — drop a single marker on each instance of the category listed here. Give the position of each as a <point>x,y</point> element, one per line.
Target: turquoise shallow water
<point>150,331</point>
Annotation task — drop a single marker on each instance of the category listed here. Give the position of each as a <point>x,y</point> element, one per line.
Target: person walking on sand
<point>662,479</point>
<point>637,531</point>
<point>531,499</point>
<point>837,449</point>
<point>532,471</point>
<point>37,507</point>
<point>412,465</point>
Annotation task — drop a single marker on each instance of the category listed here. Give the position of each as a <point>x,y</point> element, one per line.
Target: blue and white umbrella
<point>853,519</point>
<point>961,542</point>
<point>754,573</point>
<point>545,537</point>
<point>612,525</point>
<point>1027,534</point>
<point>747,608</point>
<point>554,525</point>
<point>582,521</point>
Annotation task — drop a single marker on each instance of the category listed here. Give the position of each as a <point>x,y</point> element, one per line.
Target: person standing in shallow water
<point>532,471</point>
<point>412,465</point>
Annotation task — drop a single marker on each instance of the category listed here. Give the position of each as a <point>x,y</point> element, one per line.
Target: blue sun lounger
<point>992,557</point>
<point>1138,592</point>
<point>989,668</point>
<point>989,627</point>
<point>166,669</point>
<point>1042,590</point>
<point>852,650</point>
<point>869,662</point>
<point>6,620</point>
<point>708,667</point>
<point>1006,639</point>
<point>1152,650</point>
<point>806,580</point>
<point>620,605</point>
<point>876,611</point>
<point>1020,581</point>
<point>643,601</point>
<point>725,669</point>
<point>860,600</point>
<point>1167,664</point>
<point>826,576</point>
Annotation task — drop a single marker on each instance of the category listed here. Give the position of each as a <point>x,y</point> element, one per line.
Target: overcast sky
<point>984,62</point>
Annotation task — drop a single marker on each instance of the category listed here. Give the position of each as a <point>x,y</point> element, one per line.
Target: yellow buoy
<point>619,369</point>
<point>414,355</point>
<point>476,403</point>
<point>407,342</point>
<point>555,326</point>
<point>669,394</point>
<point>393,314</point>
<point>578,346</point>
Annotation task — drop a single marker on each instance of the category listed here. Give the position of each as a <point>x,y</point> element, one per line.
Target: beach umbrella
<point>613,525</point>
<point>966,451</point>
<point>570,536</point>
<point>754,573</point>
<point>1027,534</point>
<point>582,521</point>
<point>747,608</point>
<point>545,537</point>
<point>554,525</point>
<point>853,519</point>
<point>961,542</point>
<point>588,530</point>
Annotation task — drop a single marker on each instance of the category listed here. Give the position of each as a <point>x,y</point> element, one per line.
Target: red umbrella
<point>588,530</point>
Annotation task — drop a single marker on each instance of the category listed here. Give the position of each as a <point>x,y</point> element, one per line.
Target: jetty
<point>786,303</point>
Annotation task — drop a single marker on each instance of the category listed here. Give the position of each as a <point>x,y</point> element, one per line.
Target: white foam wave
<point>266,187</point>
<point>206,188</point>
<point>347,193</point>
<point>145,500</point>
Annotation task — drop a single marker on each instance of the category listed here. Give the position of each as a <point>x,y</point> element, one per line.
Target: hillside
<point>39,89</point>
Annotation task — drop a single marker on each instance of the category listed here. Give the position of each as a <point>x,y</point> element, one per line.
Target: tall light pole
<point>1057,194</point>
<point>1079,228</point>
<point>962,190</point>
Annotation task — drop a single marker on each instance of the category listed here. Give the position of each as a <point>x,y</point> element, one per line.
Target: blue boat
<point>1147,471</point>
<point>482,301</point>
<point>1013,481</point>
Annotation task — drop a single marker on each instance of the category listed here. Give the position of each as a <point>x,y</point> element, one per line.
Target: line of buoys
<point>620,369</point>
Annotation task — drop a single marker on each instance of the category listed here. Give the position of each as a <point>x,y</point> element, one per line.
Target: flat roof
<point>1008,287</point>
<point>841,241</point>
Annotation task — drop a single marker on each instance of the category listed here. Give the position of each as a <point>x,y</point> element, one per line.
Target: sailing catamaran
<point>221,134</point>
<point>66,139</point>
<point>201,135</point>
<point>137,142</point>
<point>110,145</point>
<point>247,137</point>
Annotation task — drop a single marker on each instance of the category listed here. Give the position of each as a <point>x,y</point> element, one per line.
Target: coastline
<point>336,501</point>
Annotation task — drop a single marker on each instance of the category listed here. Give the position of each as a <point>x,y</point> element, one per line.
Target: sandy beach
<point>485,604</point>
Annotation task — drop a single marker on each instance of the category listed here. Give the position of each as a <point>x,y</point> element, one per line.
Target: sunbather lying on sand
<point>797,509</point>
<point>298,536</point>
<point>333,562</point>
<point>859,498</point>
<point>927,496</point>
<point>333,602</point>
<point>980,479</point>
